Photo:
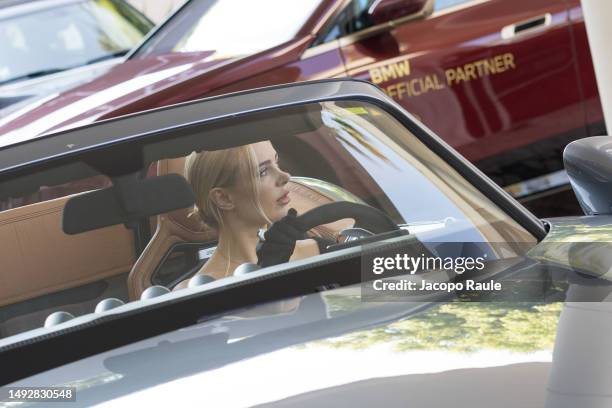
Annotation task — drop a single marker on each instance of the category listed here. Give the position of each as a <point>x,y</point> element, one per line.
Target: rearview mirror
<point>588,163</point>
<point>383,11</point>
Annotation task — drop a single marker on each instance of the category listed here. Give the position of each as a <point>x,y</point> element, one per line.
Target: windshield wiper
<point>34,74</point>
<point>49,71</point>
<point>107,57</point>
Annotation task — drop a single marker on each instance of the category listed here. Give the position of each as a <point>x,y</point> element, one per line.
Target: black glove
<point>280,240</point>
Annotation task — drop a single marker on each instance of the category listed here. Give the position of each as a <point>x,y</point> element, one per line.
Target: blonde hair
<point>206,170</point>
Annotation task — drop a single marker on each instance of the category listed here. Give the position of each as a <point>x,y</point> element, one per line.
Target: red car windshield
<point>230,27</point>
<point>73,35</point>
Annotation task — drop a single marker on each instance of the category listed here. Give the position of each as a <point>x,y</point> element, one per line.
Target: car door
<point>496,79</point>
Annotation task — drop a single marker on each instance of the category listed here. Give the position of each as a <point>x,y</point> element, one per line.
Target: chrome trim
<point>427,226</point>
<point>508,31</point>
<point>353,234</point>
<point>458,7</point>
<point>538,184</point>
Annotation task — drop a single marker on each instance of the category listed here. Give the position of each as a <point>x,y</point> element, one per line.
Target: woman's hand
<point>280,240</point>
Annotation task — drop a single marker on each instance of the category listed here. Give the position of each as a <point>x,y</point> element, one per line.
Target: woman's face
<point>273,193</point>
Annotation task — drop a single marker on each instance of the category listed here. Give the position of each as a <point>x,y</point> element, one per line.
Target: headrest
<point>125,203</point>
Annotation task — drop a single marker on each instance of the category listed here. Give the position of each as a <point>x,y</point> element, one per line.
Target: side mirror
<point>588,163</point>
<point>383,11</point>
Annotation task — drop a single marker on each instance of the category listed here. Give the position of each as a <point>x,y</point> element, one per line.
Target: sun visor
<point>126,202</point>
<point>224,134</point>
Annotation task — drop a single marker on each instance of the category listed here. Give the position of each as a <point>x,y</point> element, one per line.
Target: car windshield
<point>212,190</point>
<point>214,25</point>
<point>73,34</point>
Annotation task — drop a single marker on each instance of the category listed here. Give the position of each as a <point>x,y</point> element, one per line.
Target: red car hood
<point>126,83</point>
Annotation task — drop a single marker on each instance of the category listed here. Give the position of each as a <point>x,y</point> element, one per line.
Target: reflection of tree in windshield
<point>351,134</point>
<point>465,327</point>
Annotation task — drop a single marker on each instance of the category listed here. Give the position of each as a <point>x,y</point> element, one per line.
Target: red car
<point>506,82</point>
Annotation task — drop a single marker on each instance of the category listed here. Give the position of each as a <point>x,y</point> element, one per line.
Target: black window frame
<point>346,20</point>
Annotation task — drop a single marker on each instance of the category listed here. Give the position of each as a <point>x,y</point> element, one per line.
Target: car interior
<point>87,263</point>
<point>81,242</point>
<point>178,248</point>
<point>114,241</point>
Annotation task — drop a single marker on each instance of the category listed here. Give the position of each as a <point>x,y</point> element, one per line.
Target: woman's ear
<point>222,199</point>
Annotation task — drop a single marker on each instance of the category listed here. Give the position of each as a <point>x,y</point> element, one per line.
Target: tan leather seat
<point>37,258</point>
<point>177,227</point>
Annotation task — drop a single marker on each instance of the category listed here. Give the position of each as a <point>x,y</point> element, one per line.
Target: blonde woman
<point>238,191</point>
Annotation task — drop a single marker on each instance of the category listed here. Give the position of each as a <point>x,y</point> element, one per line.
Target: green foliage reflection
<point>465,327</point>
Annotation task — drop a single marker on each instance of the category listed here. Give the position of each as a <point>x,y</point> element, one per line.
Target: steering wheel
<point>366,217</point>
<point>368,221</point>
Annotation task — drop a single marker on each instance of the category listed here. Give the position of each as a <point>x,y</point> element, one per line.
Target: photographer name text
<point>406,285</point>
